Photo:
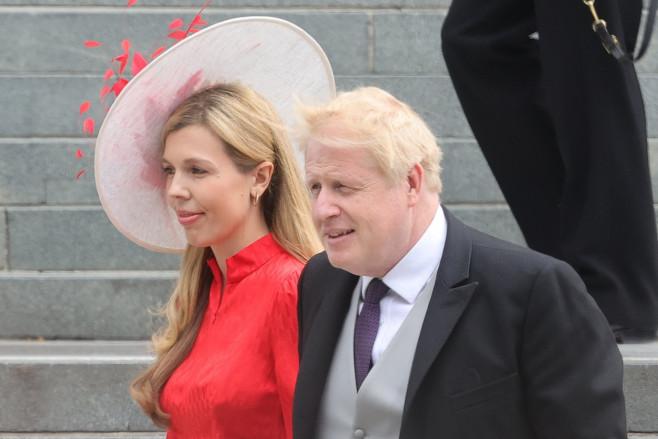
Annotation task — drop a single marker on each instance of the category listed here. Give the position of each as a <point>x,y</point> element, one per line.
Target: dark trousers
<point>562,126</point>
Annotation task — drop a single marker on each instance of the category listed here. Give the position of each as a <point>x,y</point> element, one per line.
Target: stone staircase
<point>75,295</point>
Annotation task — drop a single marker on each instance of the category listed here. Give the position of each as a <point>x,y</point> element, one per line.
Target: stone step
<point>110,435</point>
<point>64,386</point>
<point>466,175</point>
<point>83,239</point>
<point>357,42</point>
<point>82,386</point>
<point>74,238</point>
<point>108,305</point>
<point>641,386</point>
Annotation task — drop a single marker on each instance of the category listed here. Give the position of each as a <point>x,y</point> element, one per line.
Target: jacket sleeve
<point>571,366</point>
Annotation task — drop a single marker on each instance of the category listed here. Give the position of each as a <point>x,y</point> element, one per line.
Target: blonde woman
<point>227,361</point>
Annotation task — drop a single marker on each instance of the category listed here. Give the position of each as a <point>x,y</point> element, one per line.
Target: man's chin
<point>339,261</point>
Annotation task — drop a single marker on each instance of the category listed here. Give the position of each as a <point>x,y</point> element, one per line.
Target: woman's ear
<point>262,177</point>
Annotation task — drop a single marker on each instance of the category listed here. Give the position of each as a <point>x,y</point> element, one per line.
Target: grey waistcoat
<point>376,410</point>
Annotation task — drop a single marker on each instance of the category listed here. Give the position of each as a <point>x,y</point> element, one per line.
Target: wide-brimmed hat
<point>276,58</point>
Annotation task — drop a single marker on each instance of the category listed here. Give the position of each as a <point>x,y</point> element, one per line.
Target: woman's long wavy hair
<point>252,132</point>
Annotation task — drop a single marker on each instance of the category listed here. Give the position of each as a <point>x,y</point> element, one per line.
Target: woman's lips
<point>188,218</point>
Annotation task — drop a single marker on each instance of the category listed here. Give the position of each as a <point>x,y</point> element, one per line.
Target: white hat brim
<point>275,57</point>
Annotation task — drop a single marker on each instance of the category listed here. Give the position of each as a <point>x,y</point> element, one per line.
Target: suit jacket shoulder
<point>513,335</point>
<point>321,283</point>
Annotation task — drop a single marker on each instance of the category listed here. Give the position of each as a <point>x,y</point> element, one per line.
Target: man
<point>562,125</point>
<point>475,337</point>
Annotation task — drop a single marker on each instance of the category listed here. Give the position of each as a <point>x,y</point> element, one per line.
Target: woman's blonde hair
<point>371,118</point>
<point>253,133</point>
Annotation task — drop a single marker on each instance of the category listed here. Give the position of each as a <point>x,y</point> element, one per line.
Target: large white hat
<point>276,58</point>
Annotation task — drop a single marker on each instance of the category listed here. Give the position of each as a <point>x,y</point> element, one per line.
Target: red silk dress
<point>238,380</point>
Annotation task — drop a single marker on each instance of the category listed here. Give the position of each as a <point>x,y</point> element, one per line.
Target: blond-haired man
<point>468,337</point>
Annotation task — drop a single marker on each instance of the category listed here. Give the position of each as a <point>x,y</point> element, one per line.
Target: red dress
<point>238,380</point>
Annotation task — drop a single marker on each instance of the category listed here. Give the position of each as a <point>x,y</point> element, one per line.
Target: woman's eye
<point>168,170</point>
<point>198,171</point>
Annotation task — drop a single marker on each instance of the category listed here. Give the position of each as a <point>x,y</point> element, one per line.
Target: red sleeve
<point>284,338</point>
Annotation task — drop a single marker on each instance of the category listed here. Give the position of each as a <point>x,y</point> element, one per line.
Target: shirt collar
<point>409,276</point>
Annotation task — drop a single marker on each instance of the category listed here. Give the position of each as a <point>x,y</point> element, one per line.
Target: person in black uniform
<point>562,126</point>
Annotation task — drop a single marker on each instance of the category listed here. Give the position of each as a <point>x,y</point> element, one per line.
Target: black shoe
<point>631,336</point>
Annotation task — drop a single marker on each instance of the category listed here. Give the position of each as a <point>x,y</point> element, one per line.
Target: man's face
<point>363,221</point>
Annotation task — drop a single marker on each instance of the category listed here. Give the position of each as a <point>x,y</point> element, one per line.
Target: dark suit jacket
<point>512,346</point>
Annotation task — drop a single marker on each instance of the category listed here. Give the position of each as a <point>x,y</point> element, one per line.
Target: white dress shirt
<point>406,280</point>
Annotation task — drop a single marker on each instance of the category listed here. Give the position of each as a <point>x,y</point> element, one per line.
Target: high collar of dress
<point>247,260</point>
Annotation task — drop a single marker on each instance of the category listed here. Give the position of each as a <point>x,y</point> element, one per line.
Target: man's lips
<point>338,234</point>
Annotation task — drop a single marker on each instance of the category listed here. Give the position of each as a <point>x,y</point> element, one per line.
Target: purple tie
<point>365,330</point>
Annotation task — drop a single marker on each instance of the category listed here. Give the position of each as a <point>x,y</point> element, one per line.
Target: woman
<point>227,362</point>
<point>194,157</point>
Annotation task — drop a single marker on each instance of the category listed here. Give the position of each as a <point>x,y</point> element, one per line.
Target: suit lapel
<point>329,318</point>
<point>337,288</point>
<point>450,298</point>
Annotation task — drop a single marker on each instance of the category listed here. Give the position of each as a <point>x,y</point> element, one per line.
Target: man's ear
<point>415,178</point>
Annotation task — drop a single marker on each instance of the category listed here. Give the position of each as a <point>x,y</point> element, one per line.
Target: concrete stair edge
<point>106,305</point>
<point>82,386</point>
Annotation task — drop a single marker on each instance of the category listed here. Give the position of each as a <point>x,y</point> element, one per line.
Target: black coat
<point>512,346</point>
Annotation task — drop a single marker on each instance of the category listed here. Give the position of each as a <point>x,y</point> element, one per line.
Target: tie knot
<point>375,291</point>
